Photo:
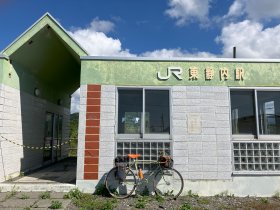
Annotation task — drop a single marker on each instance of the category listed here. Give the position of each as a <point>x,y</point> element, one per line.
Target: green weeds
<point>141,202</point>
<point>192,195</point>
<point>45,195</point>
<point>56,205</point>
<point>24,196</point>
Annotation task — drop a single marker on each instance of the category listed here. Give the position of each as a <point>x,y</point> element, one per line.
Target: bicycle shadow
<point>144,187</point>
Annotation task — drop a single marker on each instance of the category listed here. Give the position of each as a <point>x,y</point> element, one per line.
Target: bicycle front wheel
<point>120,188</point>
<point>168,182</point>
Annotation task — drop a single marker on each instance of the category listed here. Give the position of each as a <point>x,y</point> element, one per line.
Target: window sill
<point>145,137</point>
<point>256,173</point>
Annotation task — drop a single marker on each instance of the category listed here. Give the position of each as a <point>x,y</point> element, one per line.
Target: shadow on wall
<point>28,114</point>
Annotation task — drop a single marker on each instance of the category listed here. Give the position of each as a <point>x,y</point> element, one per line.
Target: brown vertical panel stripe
<point>91,159</point>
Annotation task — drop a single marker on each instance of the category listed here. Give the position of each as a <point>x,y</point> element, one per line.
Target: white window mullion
<point>256,113</point>
<point>143,115</point>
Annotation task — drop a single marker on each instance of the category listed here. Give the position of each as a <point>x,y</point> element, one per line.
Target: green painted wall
<point>20,79</point>
<point>145,73</point>
<point>1,67</point>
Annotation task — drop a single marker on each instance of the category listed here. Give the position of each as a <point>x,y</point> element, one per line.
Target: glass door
<point>48,140</point>
<point>53,137</point>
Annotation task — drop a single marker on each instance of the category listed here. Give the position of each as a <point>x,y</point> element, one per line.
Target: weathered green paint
<point>145,73</point>
<point>40,24</point>
<point>1,67</point>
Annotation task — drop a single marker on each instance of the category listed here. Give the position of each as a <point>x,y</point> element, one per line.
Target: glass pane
<point>48,140</point>
<point>130,111</point>
<point>157,118</point>
<point>243,118</point>
<point>269,112</point>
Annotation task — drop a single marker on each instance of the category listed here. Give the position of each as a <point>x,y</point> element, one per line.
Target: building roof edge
<point>118,58</point>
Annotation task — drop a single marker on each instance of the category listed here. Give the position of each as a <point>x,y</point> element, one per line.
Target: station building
<point>218,118</point>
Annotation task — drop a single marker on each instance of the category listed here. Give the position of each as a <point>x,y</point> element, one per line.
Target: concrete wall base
<point>237,186</point>
<point>8,187</point>
<point>87,186</point>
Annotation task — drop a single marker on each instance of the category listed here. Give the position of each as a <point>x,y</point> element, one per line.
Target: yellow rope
<point>36,147</point>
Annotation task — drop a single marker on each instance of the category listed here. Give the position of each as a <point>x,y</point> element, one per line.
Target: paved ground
<point>32,200</point>
<point>61,172</point>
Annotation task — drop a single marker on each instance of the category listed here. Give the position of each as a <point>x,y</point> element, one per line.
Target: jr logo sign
<point>208,74</point>
<point>176,71</point>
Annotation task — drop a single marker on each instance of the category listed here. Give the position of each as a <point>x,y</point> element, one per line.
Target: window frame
<point>258,136</point>
<point>143,135</point>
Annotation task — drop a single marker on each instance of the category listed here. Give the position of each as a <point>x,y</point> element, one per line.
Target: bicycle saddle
<point>133,156</point>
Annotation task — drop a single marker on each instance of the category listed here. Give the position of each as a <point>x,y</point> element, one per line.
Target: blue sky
<point>192,28</point>
<point>156,28</point>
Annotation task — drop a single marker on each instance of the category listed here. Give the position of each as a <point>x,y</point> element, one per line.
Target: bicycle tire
<point>120,188</point>
<point>168,182</point>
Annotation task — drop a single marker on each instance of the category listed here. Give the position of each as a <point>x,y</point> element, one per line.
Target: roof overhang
<point>45,20</point>
<point>4,57</point>
<point>233,60</point>
<point>49,53</point>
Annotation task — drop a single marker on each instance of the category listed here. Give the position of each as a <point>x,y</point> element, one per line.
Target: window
<point>256,112</point>
<point>130,111</point>
<point>269,112</point>
<point>148,150</point>
<point>244,104</point>
<point>145,134</point>
<point>243,118</point>
<point>255,156</point>
<point>134,102</point>
<point>157,111</point>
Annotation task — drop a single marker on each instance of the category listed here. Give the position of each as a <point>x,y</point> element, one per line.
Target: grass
<point>203,201</point>
<point>276,195</point>
<point>56,205</point>
<point>74,193</point>
<point>186,206</point>
<point>86,201</point>
<point>12,193</point>
<point>102,190</point>
<point>141,202</point>
<point>159,199</point>
<point>45,195</point>
<point>264,200</point>
<point>24,196</point>
<point>192,195</point>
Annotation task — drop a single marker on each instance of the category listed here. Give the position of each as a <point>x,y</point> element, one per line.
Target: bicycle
<point>167,182</point>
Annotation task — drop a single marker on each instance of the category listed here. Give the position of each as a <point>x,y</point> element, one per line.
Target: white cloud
<point>255,9</point>
<point>95,41</point>
<point>188,10</point>
<point>251,39</point>
<point>104,26</point>
<point>75,101</point>
<point>171,53</point>
<point>237,8</point>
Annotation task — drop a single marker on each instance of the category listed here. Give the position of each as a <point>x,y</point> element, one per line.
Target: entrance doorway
<point>53,138</point>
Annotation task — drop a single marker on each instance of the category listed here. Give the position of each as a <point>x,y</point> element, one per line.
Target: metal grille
<point>148,150</point>
<point>256,156</point>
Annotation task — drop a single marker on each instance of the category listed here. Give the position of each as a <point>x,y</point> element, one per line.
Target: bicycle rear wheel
<point>120,188</point>
<point>168,182</point>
